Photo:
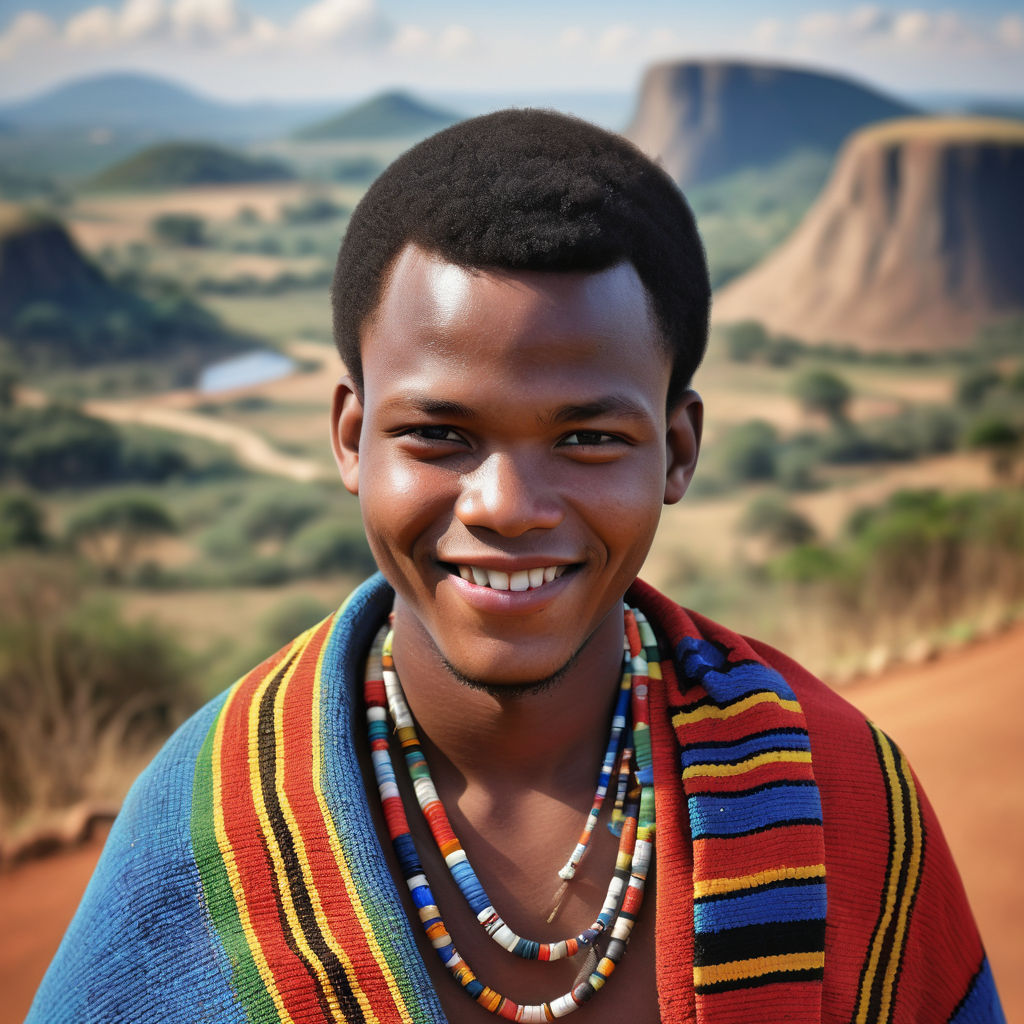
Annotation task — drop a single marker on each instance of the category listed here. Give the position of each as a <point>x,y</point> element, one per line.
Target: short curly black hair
<point>529,190</point>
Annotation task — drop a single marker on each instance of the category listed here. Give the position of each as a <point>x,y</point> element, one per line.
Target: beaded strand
<point>625,892</point>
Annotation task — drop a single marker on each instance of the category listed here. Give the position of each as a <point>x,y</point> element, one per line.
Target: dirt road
<point>958,719</point>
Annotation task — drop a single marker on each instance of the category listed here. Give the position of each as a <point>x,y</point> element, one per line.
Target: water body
<point>255,367</point>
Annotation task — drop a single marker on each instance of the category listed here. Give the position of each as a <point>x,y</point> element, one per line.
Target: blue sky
<point>245,49</point>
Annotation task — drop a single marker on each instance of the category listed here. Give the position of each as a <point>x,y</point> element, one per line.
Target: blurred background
<point>175,177</point>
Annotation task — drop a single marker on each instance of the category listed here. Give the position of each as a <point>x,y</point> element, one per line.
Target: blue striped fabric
<point>726,814</point>
<point>780,903</point>
<point>726,753</point>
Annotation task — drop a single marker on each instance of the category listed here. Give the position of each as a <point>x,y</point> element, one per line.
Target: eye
<point>579,438</point>
<point>430,434</point>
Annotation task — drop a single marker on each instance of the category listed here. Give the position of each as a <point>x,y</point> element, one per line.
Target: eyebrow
<point>606,405</point>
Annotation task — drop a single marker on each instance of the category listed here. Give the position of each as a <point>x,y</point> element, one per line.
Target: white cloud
<point>455,40</point>
<point>1010,31</point>
<point>142,18</point>
<point>615,40</point>
<point>410,40</point>
<point>207,20</point>
<point>27,29</point>
<point>344,22</point>
<point>95,26</point>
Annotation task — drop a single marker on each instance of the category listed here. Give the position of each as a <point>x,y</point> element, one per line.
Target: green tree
<point>113,531</point>
<point>746,341</point>
<point>820,391</point>
<point>973,387</point>
<point>779,524</point>
<point>749,451</point>
<point>179,229</point>
<point>21,522</point>
<point>1001,439</point>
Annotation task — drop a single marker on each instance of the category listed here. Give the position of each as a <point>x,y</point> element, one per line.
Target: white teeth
<point>497,580</point>
<point>519,580</point>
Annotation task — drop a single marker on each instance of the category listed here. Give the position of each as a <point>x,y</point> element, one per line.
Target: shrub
<point>782,526</point>
<point>81,690</point>
<point>748,451</point>
<point>819,391</point>
<point>180,229</point>
<point>329,546</point>
<point>21,522</point>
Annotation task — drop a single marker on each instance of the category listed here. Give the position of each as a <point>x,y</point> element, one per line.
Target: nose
<point>509,494</point>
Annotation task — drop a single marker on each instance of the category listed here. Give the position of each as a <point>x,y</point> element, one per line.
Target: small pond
<point>255,367</point>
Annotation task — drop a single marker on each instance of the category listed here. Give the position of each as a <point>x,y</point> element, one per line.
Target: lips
<point>520,580</point>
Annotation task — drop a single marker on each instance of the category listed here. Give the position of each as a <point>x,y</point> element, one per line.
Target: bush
<point>819,391</point>
<point>21,522</point>
<point>973,386</point>
<point>745,341</point>
<point>748,452</point>
<point>782,526</point>
<point>328,546</point>
<point>81,690</point>
<point>180,229</point>
<point>293,616</point>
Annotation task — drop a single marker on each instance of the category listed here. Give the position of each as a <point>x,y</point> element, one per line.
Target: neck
<point>545,739</point>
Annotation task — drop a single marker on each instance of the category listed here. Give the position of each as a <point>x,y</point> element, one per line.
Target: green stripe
<point>220,900</point>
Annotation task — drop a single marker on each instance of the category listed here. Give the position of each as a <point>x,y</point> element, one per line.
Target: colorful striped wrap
<point>244,879</point>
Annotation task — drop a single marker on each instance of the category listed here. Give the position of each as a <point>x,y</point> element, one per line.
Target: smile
<point>523,579</point>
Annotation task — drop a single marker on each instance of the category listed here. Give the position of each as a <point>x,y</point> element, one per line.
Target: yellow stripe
<point>288,904</point>
<point>899,835</point>
<point>748,764</point>
<point>715,711</point>
<point>741,970</point>
<point>910,886</point>
<point>339,856</point>
<point>717,886</point>
<point>231,865</point>
<point>307,872</point>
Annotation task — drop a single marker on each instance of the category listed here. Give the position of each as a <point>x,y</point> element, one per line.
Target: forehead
<point>508,321</point>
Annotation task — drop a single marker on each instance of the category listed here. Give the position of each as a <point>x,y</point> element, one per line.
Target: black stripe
<point>752,940</point>
<point>779,883</point>
<point>775,977</point>
<point>755,831</point>
<point>726,793</point>
<point>889,952</point>
<point>336,976</point>
<point>781,731</point>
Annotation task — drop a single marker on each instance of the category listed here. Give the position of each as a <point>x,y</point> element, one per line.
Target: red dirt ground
<point>958,720</point>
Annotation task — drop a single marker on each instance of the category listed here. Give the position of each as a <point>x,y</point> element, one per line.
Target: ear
<point>346,428</point>
<point>682,443</point>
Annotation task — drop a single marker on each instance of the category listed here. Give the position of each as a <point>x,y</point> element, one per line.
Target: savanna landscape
<point>171,514</point>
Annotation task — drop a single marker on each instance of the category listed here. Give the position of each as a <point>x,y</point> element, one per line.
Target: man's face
<point>511,453</point>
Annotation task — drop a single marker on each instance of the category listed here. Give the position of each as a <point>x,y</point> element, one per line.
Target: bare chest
<point>518,868</point>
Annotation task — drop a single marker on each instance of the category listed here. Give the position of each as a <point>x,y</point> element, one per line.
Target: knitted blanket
<point>801,873</point>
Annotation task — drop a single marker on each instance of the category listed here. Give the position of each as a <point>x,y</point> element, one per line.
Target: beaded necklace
<point>632,819</point>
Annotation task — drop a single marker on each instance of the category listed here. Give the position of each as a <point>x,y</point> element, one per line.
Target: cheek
<point>400,504</point>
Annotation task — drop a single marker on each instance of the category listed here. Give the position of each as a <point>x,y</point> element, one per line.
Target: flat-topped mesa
<point>916,242</point>
<point>705,118</point>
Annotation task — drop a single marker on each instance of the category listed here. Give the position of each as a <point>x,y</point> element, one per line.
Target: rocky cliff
<point>705,119</point>
<point>916,241</point>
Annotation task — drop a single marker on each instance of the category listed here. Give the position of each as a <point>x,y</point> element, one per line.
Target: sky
<point>273,49</point>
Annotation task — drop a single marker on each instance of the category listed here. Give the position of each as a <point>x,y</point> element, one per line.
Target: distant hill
<point>707,118</point>
<point>389,115</point>
<point>57,308</point>
<point>916,242</point>
<point>180,163</point>
<point>150,107</point>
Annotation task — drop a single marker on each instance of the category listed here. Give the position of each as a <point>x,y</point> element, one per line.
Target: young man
<point>521,302</point>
